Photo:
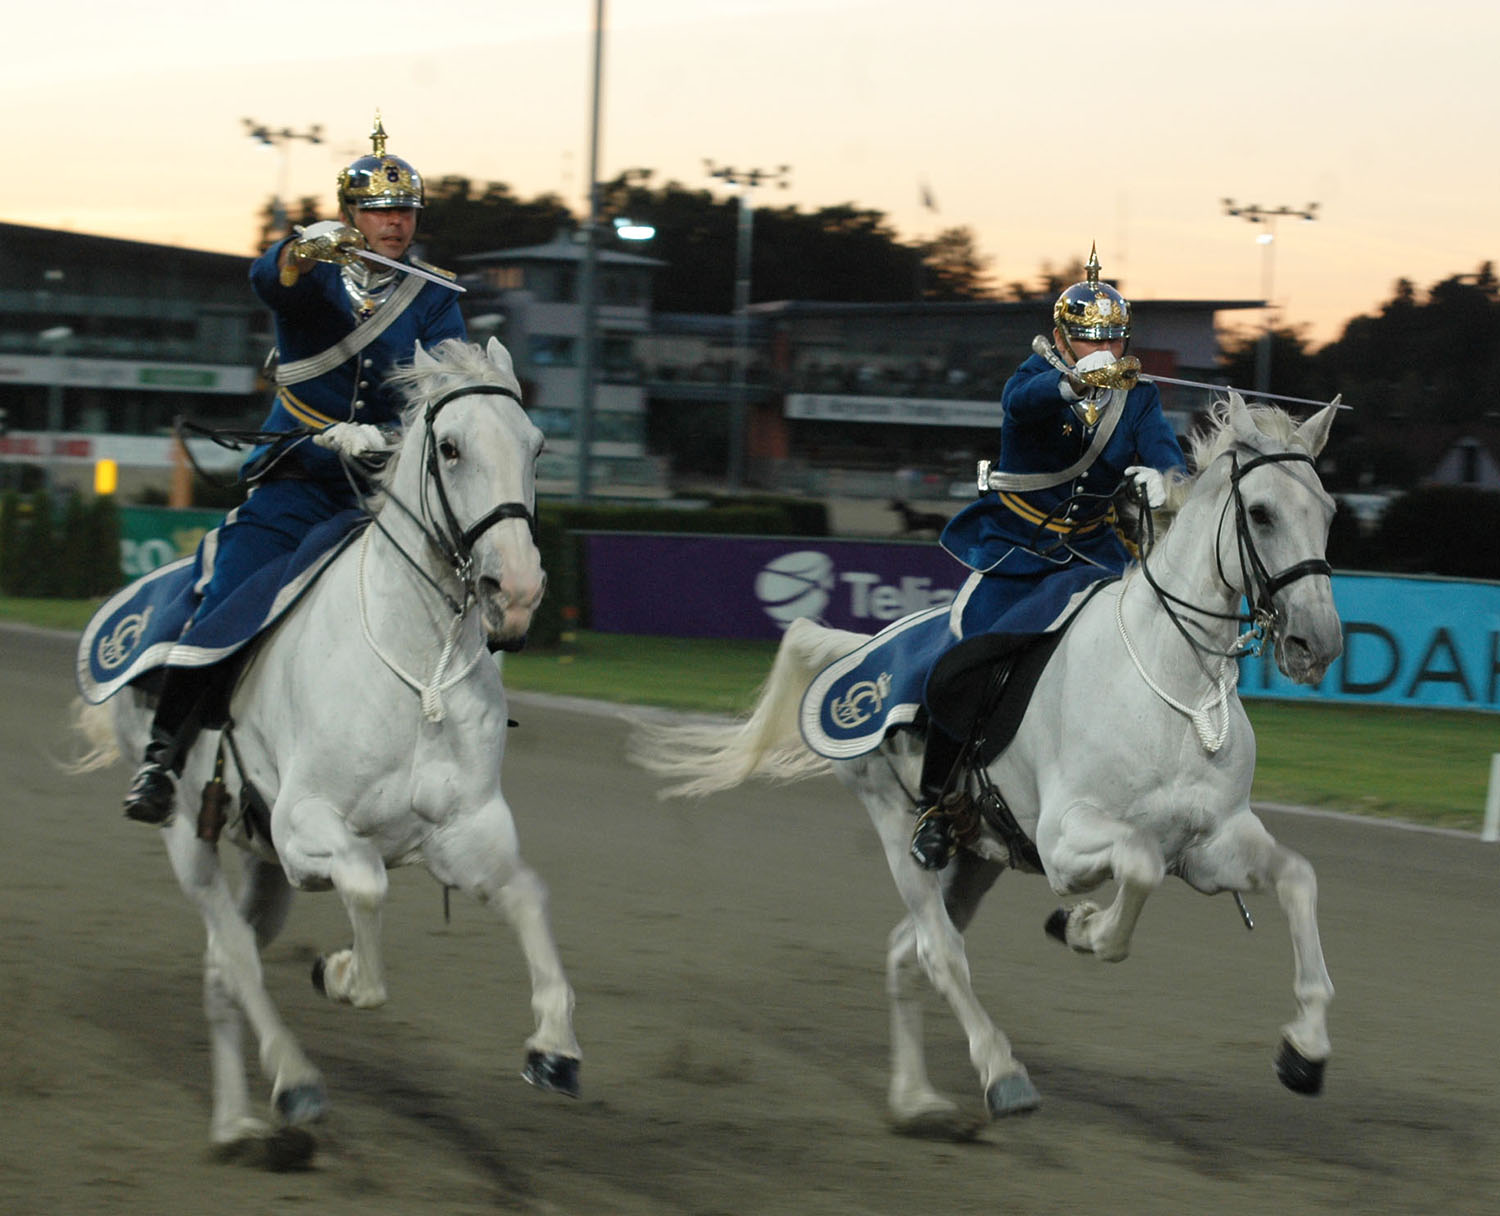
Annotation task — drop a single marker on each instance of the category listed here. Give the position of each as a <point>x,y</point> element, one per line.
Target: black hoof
<point>1297,1072</point>
<point>551,1071</point>
<point>300,1104</point>
<point>1057,925</point>
<point>319,967</point>
<point>289,1148</point>
<point>1012,1095</point>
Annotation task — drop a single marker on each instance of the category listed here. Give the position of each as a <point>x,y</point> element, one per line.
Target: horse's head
<point>1272,537</point>
<point>469,460</point>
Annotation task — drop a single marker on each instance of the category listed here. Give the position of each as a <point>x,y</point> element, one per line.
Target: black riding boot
<point>932,840</point>
<point>152,794</point>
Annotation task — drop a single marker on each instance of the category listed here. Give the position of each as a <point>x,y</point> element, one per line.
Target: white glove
<point>1147,481</point>
<point>1089,363</point>
<point>325,241</point>
<point>352,439</point>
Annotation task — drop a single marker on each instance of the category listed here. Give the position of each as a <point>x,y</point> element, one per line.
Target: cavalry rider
<point>1076,420</point>
<point>342,324</point>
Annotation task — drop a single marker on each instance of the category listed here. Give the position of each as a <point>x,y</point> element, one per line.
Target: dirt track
<point>728,963</point>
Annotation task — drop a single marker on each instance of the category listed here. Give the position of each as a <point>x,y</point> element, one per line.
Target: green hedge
<point>43,557</point>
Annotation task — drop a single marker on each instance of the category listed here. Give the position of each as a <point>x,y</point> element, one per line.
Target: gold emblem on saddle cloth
<point>117,645</point>
<point>861,703</point>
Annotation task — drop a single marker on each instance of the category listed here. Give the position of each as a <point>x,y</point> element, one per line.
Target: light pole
<point>271,138</point>
<point>746,181</point>
<point>1256,214</point>
<point>587,279</point>
<point>56,339</point>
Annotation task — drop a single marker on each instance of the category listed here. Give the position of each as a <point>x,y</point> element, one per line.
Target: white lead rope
<point>1212,737</point>
<point>432,692</point>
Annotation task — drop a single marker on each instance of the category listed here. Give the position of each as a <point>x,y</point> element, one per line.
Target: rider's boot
<point>153,793</point>
<point>933,840</point>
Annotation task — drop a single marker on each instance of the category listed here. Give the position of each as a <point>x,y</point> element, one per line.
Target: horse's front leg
<point>317,848</point>
<point>1244,856</point>
<point>930,934</point>
<point>1080,848</point>
<point>480,855</point>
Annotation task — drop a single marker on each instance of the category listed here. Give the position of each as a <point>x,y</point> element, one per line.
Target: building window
<point>552,350</point>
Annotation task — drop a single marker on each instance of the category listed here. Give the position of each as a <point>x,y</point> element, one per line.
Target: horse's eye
<point>1260,516</point>
<point>449,449</point>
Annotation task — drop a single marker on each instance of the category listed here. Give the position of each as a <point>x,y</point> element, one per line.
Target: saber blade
<point>1248,394</point>
<point>382,260</point>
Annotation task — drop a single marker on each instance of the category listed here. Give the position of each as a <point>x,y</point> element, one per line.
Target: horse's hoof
<point>1057,925</point>
<point>1297,1072</point>
<point>319,967</point>
<point>299,1104</point>
<point>1012,1095</point>
<point>289,1148</point>
<point>950,1126</point>
<point>552,1071</point>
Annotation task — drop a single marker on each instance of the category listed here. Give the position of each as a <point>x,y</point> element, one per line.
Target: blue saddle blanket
<point>153,622</point>
<point>855,701</point>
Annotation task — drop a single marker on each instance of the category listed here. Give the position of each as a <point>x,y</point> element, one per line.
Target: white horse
<point>372,719</point>
<point>1133,761</point>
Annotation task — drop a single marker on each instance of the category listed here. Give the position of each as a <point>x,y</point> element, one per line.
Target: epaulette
<point>447,274</point>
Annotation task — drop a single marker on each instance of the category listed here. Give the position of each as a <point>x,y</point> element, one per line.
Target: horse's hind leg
<point>1081,848</point>
<point>916,1106</point>
<point>1243,856</point>
<point>233,983</point>
<point>939,948</point>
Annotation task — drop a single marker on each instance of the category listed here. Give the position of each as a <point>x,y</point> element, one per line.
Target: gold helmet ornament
<point>1091,310</point>
<point>380,179</point>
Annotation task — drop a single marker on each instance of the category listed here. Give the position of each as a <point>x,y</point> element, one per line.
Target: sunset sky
<point>1042,127</point>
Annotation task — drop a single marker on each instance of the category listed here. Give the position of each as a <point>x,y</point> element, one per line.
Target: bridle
<point>449,537</point>
<point>1261,587</point>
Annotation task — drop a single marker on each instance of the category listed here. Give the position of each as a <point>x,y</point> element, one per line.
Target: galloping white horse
<point>372,720</point>
<point>1134,759</point>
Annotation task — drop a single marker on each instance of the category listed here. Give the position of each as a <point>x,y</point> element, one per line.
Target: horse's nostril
<point>489,588</point>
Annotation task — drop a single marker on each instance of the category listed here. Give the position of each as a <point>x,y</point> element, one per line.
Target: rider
<point>1076,420</point>
<point>342,324</point>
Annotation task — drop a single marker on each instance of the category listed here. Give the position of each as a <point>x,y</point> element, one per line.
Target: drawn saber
<point>1044,348</point>
<point>405,268</point>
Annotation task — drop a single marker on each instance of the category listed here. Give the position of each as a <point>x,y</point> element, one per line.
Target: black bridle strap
<point>457,542</point>
<point>1264,585</point>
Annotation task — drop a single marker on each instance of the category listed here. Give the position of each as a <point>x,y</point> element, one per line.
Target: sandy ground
<point>728,963</point>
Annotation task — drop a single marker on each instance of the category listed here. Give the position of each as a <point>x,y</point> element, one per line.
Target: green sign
<point>155,536</point>
<point>179,377</point>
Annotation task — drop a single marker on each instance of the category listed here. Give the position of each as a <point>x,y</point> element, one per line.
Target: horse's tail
<point>703,758</point>
<point>95,725</point>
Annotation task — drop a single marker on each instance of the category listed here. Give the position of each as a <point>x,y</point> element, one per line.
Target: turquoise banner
<point>153,536</point>
<point>1428,643</point>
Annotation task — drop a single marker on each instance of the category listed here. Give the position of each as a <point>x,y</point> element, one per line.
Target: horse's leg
<point>1244,856</point>
<point>233,982</point>
<point>916,1105</point>
<point>1082,847</point>
<point>316,847</point>
<point>940,950</point>
<point>480,855</point>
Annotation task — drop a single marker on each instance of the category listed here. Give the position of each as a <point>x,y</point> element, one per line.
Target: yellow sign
<point>106,476</point>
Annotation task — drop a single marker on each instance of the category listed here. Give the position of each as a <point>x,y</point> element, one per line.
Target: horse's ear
<point>499,356</point>
<point>420,358</point>
<point>1241,422</point>
<point>1313,433</point>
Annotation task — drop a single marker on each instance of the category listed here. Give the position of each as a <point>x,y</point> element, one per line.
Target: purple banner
<point>753,587</point>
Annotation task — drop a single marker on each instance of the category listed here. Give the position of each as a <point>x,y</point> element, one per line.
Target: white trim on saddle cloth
<point>842,717</point>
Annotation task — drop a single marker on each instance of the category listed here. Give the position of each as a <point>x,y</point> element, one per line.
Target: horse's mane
<point>1217,436</point>
<point>457,363</point>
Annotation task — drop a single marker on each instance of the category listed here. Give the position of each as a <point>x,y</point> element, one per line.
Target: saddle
<point>977,692</point>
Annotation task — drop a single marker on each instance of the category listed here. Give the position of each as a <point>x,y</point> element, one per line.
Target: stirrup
<point>932,843</point>
<point>152,796</point>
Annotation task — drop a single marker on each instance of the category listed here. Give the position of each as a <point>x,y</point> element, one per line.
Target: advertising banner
<point>1420,642</point>
<point>153,536</point>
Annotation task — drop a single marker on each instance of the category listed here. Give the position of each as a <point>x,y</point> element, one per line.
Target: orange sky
<point>1038,129</point>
